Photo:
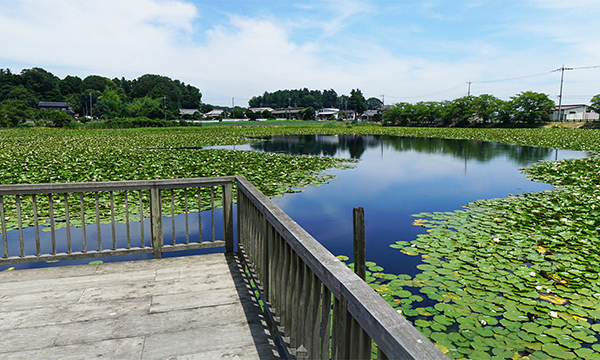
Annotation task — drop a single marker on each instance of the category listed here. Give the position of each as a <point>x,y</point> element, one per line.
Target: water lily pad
<point>587,354</point>
<point>558,351</point>
<point>443,320</point>
<point>569,342</point>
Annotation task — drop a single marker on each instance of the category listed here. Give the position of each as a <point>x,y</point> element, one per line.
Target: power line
<point>515,78</point>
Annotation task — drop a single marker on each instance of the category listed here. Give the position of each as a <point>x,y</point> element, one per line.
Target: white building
<point>578,112</point>
<point>328,113</point>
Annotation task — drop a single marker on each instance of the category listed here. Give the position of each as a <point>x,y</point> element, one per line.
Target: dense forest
<point>313,98</point>
<point>147,96</point>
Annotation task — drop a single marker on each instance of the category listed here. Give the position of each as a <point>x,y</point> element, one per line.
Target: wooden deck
<point>197,307</point>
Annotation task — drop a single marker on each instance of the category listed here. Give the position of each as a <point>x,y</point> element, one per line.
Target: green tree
<point>267,114</point>
<point>19,92</point>
<point>252,115</point>
<point>462,110</point>
<point>308,113</point>
<point>487,107</point>
<point>357,102</point>
<point>59,118</point>
<point>530,106</point>
<point>595,103</point>
<point>38,80</point>
<point>374,104</point>
<point>96,82</point>
<point>70,85</point>
<point>13,112</point>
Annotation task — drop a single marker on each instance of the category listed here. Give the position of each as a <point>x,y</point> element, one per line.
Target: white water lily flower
<point>553,314</point>
<point>399,312</point>
<point>539,287</point>
<point>483,322</point>
<point>496,240</point>
<point>532,273</point>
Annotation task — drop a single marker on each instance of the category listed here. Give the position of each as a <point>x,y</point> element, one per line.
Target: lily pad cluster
<point>47,156</point>
<point>509,278</point>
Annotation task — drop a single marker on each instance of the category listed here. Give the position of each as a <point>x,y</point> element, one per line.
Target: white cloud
<point>244,55</point>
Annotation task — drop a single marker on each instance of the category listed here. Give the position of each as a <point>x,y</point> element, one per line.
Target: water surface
<point>397,177</point>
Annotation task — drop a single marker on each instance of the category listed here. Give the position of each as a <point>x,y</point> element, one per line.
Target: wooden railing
<point>137,205</point>
<point>326,310</point>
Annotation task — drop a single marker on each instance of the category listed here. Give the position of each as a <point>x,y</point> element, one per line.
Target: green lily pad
<point>558,351</point>
<point>443,320</point>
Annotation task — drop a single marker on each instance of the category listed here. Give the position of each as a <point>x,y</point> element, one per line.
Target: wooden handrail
<point>88,203</point>
<point>299,276</point>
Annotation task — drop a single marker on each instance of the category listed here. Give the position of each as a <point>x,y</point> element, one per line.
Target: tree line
<point>151,96</point>
<point>316,99</point>
<point>526,107</point>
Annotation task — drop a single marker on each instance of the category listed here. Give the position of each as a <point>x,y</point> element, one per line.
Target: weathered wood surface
<point>359,313</point>
<point>197,307</point>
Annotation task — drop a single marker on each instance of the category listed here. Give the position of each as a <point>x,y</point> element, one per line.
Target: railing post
<point>156,222</point>
<point>228,217</point>
<point>359,242</point>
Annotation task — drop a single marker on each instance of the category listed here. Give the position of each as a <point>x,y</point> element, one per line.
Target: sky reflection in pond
<point>397,177</point>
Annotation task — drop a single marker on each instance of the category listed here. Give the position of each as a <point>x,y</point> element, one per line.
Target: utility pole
<point>382,100</point>
<point>91,115</point>
<point>165,106</point>
<point>232,107</point>
<point>469,92</point>
<point>562,74</point>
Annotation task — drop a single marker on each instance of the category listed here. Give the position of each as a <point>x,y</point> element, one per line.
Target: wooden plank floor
<point>196,307</point>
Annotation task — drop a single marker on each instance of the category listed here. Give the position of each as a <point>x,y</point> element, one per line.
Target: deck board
<point>196,307</point>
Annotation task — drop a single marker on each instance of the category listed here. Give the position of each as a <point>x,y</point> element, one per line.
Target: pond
<point>396,177</point>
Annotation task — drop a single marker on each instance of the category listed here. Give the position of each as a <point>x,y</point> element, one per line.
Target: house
<point>328,113</point>
<point>288,113</point>
<point>261,109</point>
<point>56,105</point>
<point>189,112</point>
<point>215,113</point>
<point>369,115</point>
<point>578,112</point>
<point>350,114</point>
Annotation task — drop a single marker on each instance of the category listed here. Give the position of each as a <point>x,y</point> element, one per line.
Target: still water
<point>393,178</point>
<point>396,177</point>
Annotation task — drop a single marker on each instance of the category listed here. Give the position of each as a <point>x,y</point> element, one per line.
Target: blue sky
<point>405,50</point>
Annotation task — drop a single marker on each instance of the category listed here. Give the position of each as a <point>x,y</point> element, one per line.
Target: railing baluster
<point>112,221</point>
<point>3,222</point>
<point>20,225</point>
<point>288,276</point>
<point>312,317</point>
<point>228,216</point>
<point>295,336</point>
<point>68,224</point>
<point>303,307</point>
<point>173,215</point>
<point>187,210</point>
<point>82,207</point>
<point>199,215</point>
<point>52,230</point>
<point>142,219</point>
<point>98,221</point>
<point>212,211</point>
<point>36,224</point>
<point>325,328</point>
<point>156,222</point>
<point>127,220</point>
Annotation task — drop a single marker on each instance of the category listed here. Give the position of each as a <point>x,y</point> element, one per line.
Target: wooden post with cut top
<point>359,242</point>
